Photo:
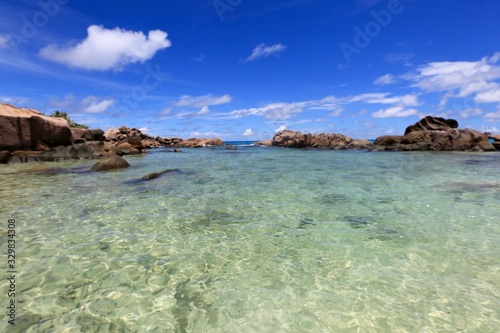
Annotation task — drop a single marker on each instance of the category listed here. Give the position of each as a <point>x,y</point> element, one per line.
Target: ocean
<point>257,239</point>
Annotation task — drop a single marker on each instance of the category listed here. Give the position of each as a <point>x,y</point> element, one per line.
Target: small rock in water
<point>306,222</point>
<point>155,175</point>
<point>110,162</point>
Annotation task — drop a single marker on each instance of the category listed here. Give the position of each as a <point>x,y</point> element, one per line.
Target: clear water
<point>257,240</point>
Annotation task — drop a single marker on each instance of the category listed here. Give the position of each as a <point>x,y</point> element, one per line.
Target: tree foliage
<point>64,115</point>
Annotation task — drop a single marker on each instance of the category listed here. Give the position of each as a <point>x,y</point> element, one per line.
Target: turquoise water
<point>257,240</point>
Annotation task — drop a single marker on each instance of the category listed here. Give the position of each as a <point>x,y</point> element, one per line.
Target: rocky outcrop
<point>264,143</point>
<point>25,129</point>
<point>496,140</point>
<point>79,135</point>
<point>110,162</point>
<point>430,123</point>
<point>295,139</point>
<point>131,136</point>
<point>86,150</point>
<point>140,141</point>
<point>448,140</point>
<point>198,143</point>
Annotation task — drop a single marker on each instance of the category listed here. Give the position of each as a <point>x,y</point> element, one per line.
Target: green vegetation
<point>64,115</point>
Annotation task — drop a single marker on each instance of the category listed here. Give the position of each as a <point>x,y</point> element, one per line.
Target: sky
<point>246,69</point>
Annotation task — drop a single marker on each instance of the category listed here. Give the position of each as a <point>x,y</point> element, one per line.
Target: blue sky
<point>242,70</point>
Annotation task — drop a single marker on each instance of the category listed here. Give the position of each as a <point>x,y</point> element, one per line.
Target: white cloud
<point>489,95</point>
<point>4,41</point>
<point>280,129</point>
<point>471,112</point>
<point>16,101</point>
<point>106,49</point>
<point>262,51</point>
<point>204,111</point>
<point>277,111</point>
<point>93,104</point>
<point>492,129</point>
<point>383,98</point>
<point>385,80</point>
<point>463,78</point>
<point>201,101</point>
<point>493,116</point>
<point>248,132</point>
<point>396,111</point>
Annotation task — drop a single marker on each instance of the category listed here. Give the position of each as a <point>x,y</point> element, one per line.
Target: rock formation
<point>110,162</point>
<point>435,134</point>
<point>140,141</point>
<point>25,129</point>
<point>430,123</point>
<point>295,139</point>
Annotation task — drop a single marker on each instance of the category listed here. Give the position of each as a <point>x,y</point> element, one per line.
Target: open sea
<point>255,240</point>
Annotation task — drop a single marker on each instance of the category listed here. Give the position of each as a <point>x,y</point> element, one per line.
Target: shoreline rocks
<point>428,134</point>
<point>26,129</point>
<point>29,136</point>
<point>296,139</point>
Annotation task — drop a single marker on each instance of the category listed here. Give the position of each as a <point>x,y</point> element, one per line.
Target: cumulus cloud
<point>461,79</point>
<point>263,51</point>
<point>248,132</point>
<point>396,111</point>
<point>108,49</point>
<point>93,104</point>
<point>385,80</point>
<point>490,94</point>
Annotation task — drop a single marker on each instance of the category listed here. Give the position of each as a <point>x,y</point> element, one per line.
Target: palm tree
<point>64,115</point>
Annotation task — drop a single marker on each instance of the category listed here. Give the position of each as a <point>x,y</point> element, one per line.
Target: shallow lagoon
<point>258,240</point>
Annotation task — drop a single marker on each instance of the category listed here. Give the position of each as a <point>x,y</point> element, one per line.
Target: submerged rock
<point>155,175</point>
<point>110,162</point>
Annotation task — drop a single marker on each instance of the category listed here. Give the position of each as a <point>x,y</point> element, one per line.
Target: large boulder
<point>292,139</point>
<point>295,139</point>
<point>79,135</point>
<point>430,123</point>
<point>110,162</point>
<point>25,129</point>
<point>449,140</point>
<point>198,143</point>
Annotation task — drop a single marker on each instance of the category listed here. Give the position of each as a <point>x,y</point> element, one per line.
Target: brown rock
<point>79,135</point>
<point>449,140</point>
<point>265,143</point>
<point>430,123</point>
<point>4,156</point>
<point>110,162</point>
<point>198,143</point>
<point>359,144</point>
<point>25,129</point>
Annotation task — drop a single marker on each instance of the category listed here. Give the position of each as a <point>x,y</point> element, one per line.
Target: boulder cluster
<point>428,134</point>
<point>29,136</point>
<point>294,139</point>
